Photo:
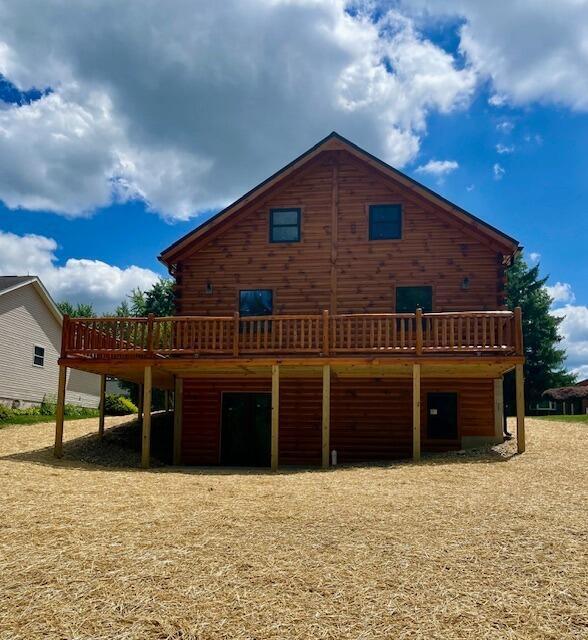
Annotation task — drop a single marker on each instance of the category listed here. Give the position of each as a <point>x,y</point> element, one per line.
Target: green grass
<point>38,419</point>
<point>578,418</point>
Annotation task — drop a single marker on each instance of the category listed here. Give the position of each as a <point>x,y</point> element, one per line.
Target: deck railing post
<point>419,331</point>
<point>65,335</point>
<point>518,331</point>
<point>236,334</point>
<point>150,323</point>
<point>326,337</point>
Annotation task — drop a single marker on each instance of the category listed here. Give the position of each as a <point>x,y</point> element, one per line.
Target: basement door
<point>246,429</point>
<point>442,416</point>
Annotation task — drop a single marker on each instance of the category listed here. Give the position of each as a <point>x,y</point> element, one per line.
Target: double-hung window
<point>409,299</point>
<point>285,225</point>
<point>39,356</point>
<point>385,221</point>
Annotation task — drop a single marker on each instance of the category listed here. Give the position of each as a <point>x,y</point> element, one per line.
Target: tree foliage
<point>158,300</point>
<point>78,311</point>
<point>544,358</point>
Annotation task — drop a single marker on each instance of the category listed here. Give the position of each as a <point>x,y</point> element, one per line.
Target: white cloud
<point>78,280</point>
<point>530,50</point>
<point>503,148</point>
<point>498,171</point>
<point>497,100</point>
<point>561,292</point>
<point>470,187</point>
<point>574,329</point>
<point>534,257</point>
<point>505,126</point>
<point>438,168</point>
<point>216,97</point>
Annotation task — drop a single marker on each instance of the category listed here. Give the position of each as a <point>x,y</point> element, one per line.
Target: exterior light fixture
<point>465,283</point>
<point>208,288</point>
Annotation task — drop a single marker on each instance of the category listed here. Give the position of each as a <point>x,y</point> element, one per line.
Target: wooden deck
<point>471,333</point>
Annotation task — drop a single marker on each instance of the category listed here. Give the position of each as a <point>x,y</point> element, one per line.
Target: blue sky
<point>111,152</point>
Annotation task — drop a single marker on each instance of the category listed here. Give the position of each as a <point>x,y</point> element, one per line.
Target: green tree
<point>123,310</point>
<point>79,311</point>
<point>544,359</point>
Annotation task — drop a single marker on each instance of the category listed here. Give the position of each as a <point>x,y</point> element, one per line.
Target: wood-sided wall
<point>371,418</point>
<point>346,273</point>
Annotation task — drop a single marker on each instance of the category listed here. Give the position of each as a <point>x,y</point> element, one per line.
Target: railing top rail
<point>374,315</point>
<point>282,317</point>
<point>471,314</point>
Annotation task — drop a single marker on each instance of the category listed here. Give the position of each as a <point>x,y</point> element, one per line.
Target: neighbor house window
<point>256,302</point>
<point>409,299</point>
<point>385,221</point>
<point>285,225</point>
<point>39,356</point>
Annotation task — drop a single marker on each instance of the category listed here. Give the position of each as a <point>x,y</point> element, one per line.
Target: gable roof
<point>12,283</point>
<point>334,142</point>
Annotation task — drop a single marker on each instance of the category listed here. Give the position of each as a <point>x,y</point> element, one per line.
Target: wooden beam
<point>326,415</point>
<point>101,405</point>
<point>59,412</point>
<point>416,412</point>
<point>498,409</point>
<point>275,415</point>
<point>520,392</point>
<point>146,437</point>
<point>178,414</point>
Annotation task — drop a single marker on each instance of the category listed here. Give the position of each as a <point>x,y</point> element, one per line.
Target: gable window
<point>256,302</point>
<point>285,225</point>
<point>409,299</point>
<point>39,356</point>
<point>385,221</point>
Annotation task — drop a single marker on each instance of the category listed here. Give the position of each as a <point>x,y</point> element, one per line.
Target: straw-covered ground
<point>488,545</point>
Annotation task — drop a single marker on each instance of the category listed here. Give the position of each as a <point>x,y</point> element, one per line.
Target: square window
<point>284,225</point>
<point>39,356</point>
<point>385,221</point>
<point>409,299</point>
<point>256,302</point>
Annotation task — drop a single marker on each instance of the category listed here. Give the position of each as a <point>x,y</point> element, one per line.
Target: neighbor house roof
<point>12,283</point>
<point>334,142</point>
<point>579,390</point>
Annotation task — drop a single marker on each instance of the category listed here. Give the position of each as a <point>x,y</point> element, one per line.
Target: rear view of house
<point>339,306</point>
<point>30,344</point>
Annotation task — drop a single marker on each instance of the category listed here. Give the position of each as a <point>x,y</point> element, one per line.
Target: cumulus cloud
<point>505,126</point>
<point>534,257</point>
<point>438,168</point>
<point>213,100</point>
<point>534,51</point>
<point>498,171</point>
<point>561,292</point>
<point>574,329</point>
<point>503,148</point>
<point>78,280</point>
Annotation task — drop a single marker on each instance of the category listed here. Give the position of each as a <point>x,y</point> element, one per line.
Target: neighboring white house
<point>30,344</point>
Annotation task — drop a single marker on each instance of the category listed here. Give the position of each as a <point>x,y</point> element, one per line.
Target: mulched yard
<point>481,545</point>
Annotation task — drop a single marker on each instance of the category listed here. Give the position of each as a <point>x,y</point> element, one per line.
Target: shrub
<point>118,405</point>
<point>48,405</point>
<point>5,413</point>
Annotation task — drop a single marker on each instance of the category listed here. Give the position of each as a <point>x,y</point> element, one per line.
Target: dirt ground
<point>476,546</point>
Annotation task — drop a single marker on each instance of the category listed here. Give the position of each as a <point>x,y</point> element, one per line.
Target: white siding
<point>25,321</point>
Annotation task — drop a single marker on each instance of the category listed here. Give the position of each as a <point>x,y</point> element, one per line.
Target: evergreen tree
<point>544,360</point>
<point>79,311</point>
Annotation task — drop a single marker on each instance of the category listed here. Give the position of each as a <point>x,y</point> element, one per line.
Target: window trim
<point>414,286</point>
<point>39,346</point>
<point>298,224</point>
<point>369,206</point>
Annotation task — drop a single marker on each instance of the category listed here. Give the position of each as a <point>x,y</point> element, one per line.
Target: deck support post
<point>520,392</point>
<point>275,415</point>
<point>326,415</point>
<point>178,410</point>
<point>416,412</point>
<point>59,412</point>
<point>146,435</point>
<point>498,409</point>
<point>101,405</point>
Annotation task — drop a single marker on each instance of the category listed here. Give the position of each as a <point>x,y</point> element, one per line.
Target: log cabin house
<point>339,306</point>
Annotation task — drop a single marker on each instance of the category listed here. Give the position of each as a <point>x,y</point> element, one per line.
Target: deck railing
<point>497,332</point>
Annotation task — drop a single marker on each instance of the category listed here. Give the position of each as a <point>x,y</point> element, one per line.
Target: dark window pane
<point>285,234</point>
<point>285,225</point>
<point>409,299</point>
<point>285,217</point>
<point>385,221</point>
<point>39,356</point>
<point>256,302</point>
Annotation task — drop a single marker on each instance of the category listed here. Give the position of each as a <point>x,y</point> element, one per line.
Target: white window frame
<point>39,346</point>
